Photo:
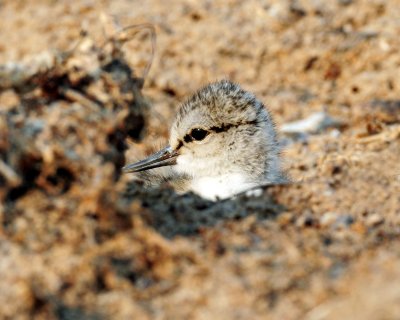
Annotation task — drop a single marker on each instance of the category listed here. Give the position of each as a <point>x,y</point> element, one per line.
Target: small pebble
<point>328,218</point>
<point>344,221</point>
<point>374,220</point>
<point>306,221</point>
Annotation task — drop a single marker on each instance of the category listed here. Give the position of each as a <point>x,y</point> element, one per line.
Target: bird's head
<point>221,129</point>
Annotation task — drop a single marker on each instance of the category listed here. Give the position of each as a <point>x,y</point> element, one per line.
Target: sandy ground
<point>79,241</point>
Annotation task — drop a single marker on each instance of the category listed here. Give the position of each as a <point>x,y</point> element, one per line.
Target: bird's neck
<point>216,177</point>
<point>221,186</point>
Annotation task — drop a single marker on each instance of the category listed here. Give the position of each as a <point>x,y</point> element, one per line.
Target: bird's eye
<point>198,134</point>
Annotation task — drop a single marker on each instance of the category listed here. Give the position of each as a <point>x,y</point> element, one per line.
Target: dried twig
<point>387,135</point>
<point>76,96</point>
<point>129,32</point>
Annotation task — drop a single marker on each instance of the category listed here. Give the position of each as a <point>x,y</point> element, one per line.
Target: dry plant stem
<point>384,136</point>
<point>75,96</point>
<point>128,33</point>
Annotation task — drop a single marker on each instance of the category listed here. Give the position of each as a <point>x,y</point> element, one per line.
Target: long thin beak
<point>164,157</point>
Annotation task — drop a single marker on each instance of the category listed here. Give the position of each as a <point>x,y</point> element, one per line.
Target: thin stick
<point>76,96</point>
<point>127,34</point>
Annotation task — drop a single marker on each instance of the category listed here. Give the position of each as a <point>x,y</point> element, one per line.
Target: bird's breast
<point>221,186</point>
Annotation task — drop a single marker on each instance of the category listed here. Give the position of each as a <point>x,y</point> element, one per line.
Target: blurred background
<point>331,253</point>
<point>298,56</point>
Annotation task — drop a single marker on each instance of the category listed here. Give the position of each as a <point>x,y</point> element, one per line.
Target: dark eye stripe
<point>187,138</point>
<point>180,145</point>
<point>225,127</point>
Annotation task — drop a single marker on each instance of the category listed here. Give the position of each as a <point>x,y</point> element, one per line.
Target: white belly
<point>220,187</point>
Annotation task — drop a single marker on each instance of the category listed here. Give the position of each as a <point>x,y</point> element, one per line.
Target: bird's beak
<point>164,157</point>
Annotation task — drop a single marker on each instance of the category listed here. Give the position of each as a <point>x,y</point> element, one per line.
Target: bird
<point>222,142</point>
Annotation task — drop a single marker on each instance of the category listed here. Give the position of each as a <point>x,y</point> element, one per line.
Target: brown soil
<point>80,241</point>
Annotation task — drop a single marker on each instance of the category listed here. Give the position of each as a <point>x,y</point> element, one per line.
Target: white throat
<point>210,180</point>
<point>220,187</point>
